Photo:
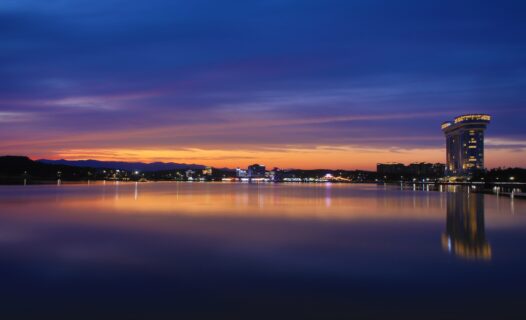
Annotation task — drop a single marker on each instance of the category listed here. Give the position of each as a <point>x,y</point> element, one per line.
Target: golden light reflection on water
<point>220,236</point>
<point>465,234</point>
<point>235,213</point>
<point>265,200</point>
<point>301,201</point>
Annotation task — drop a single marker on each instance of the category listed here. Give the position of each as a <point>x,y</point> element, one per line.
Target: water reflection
<point>168,249</point>
<point>465,234</point>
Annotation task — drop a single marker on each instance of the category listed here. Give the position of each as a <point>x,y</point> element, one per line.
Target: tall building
<point>465,144</point>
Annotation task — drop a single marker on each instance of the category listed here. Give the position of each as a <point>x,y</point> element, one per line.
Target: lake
<point>259,251</point>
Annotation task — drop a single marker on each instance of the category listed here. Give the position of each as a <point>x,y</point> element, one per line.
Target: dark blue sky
<point>202,79</point>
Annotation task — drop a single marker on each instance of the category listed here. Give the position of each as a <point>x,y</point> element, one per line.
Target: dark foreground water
<point>259,251</point>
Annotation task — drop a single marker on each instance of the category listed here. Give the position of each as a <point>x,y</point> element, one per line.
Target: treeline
<point>20,169</point>
<point>16,169</point>
<point>501,175</point>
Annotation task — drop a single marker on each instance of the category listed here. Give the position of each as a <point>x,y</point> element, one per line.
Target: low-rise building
<point>256,171</point>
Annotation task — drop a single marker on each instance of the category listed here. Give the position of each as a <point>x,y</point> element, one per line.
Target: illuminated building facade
<point>465,144</point>
<point>240,173</point>
<point>207,171</point>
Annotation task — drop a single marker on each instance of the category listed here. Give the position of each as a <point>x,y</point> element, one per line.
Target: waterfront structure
<point>207,171</point>
<point>465,144</point>
<point>424,169</point>
<point>256,171</point>
<point>190,174</point>
<point>241,173</point>
<point>275,175</point>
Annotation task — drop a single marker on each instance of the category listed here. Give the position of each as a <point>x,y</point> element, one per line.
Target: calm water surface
<point>267,251</point>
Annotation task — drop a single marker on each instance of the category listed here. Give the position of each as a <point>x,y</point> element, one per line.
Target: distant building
<point>256,171</point>
<point>424,169</point>
<point>189,174</point>
<point>240,173</point>
<point>207,171</point>
<point>465,144</point>
<point>275,175</point>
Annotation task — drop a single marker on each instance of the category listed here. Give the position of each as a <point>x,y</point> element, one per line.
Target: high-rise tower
<point>465,144</point>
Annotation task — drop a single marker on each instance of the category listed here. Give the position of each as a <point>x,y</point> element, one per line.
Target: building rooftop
<point>466,119</point>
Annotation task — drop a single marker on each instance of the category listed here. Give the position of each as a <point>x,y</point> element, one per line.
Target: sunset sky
<point>310,84</point>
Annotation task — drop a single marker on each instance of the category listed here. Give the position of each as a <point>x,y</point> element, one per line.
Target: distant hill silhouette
<point>21,169</point>
<point>15,168</point>
<point>18,163</point>
<point>130,166</point>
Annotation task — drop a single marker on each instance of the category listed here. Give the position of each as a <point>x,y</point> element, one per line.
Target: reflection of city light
<point>465,232</point>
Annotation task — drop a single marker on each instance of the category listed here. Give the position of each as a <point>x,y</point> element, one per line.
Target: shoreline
<point>512,190</point>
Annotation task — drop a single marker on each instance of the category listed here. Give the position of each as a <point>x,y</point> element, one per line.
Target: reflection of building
<point>256,171</point>
<point>465,232</point>
<point>465,144</point>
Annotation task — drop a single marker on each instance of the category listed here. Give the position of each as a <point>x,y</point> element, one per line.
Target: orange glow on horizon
<point>321,157</point>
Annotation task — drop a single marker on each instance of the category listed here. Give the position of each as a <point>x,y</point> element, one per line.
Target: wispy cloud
<point>16,117</point>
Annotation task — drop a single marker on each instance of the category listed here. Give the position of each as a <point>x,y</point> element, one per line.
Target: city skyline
<point>294,84</point>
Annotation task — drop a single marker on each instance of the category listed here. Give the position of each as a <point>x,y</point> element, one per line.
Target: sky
<point>304,84</point>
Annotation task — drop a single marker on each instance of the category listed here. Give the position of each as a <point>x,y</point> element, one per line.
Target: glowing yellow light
<point>473,117</point>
